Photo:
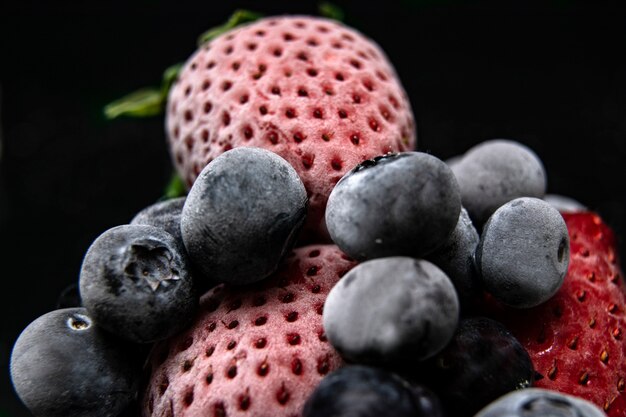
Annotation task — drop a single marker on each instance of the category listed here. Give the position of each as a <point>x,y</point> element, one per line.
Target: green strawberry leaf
<point>239,17</point>
<point>150,101</point>
<point>141,103</point>
<point>169,76</point>
<point>331,11</point>
<point>145,102</point>
<point>175,187</point>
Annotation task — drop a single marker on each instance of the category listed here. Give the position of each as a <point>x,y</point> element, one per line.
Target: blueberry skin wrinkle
<point>243,215</point>
<point>523,253</point>
<point>135,282</point>
<point>63,365</point>
<point>403,204</point>
<point>391,311</point>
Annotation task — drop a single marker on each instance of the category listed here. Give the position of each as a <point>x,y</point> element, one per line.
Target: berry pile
<point>316,92</point>
<point>450,290</point>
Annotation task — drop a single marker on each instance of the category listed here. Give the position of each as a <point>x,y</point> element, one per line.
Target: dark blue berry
<point>391,310</point>
<point>456,257</point>
<point>536,402</point>
<point>482,362</point>
<point>63,365</point>
<point>135,282</point>
<point>523,253</point>
<point>397,205</point>
<point>242,215</point>
<point>495,172</point>
<point>164,214</point>
<point>361,391</point>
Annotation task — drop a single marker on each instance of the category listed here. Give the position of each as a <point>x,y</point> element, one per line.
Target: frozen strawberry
<point>316,92</point>
<point>253,351</point>
<point>576,339</point>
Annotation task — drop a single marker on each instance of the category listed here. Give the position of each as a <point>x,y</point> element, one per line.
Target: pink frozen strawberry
<point>252,351</point>
<point>316,92</point>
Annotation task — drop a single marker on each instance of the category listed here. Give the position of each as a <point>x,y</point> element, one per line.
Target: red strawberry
<point>316,92</point>
<point>576,340</point>
<point>252,351</point>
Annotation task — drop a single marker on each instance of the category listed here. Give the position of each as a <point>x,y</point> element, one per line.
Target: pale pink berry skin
<point>252,351</point>
<point>320,94</point>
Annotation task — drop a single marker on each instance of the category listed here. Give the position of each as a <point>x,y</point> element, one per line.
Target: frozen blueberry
<point>482,362</point>
<point>63,365</point>
<point>456,257</point>
<point>495,172</point>
<point>390,311</point>
<point>164,214</point>
<point>362,391</point>
<point>523,253</point>
<point>135,282</point>
<point>537,402</point>
<point>402,204</point>
<point>564,204</point>
<point>242,215</point>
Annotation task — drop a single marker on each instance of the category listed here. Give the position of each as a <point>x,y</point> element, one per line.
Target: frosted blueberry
<point>164,214</point>
<point>523,253</point>
<point>402,204</point>
<point>63,365</point>
<point>135,282</point>
<point>495,172</point>
<point>537,402</point>
<point>482,362</point>
<point>456,257</point>
<point>391,310</point>
<point>363,391</point>
<point>242,215</point>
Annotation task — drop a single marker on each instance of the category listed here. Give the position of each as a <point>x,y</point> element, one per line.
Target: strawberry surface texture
<point>318,93</point>
<point>576,339</point>
<point>257,350</point>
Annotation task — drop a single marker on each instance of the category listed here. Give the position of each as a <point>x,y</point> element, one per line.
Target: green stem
<point>239,17</point>
<point>175,187</point>
<point>331,11</point>
<point>151,101</point>
<point>146,102</point>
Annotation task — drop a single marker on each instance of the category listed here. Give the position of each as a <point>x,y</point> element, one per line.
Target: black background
<point>551,74</point>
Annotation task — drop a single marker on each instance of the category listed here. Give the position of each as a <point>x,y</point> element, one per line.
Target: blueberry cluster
<point>431,237</point>
<point>140,282</point>
<point>413,204</point>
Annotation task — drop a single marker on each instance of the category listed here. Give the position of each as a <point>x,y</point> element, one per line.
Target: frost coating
<point>391,309</point>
